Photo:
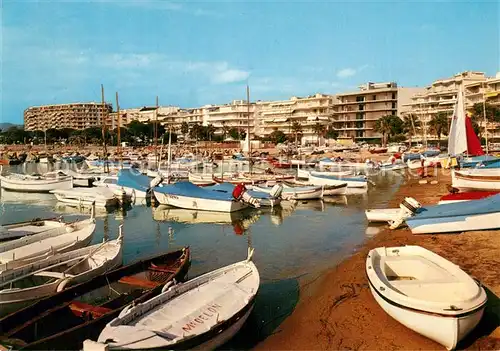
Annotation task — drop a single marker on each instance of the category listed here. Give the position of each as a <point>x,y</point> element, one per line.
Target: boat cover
<point>133,179</point>
<point>189,189</point>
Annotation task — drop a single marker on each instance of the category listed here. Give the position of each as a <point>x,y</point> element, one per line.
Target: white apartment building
<point>307,111</point>
<point>441,96</point>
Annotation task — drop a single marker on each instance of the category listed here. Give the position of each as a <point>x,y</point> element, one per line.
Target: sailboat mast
<point>156,134</point>
<point>118,137</point>
<point>103,130</point>
<point>249,145</point>
<point>485,120</point>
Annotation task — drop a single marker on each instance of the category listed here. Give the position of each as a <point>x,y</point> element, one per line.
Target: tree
<point>492,112</point>
<point>277,137</point>
<point>411,124</point>
<point>319,130</point>
<point>225,129</point>
<point>296,129</point>
<point>210,130</point>
<point>439,125</point>
<point>331,132</point>
<point>234,133</point>
<point>184,129</point>
<point>388,126</point>
<point>195,131</point>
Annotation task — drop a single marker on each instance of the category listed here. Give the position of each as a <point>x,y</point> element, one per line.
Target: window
<point>360,98</point>
<point>360,134</point>
<point>361,107</point>
<point>360,115</point>
<point>374,97</point>
<point>393,96</point>
<point>393,105</point>
<point>359,125</point>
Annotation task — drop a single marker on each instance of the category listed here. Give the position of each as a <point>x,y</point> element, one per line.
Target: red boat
<point>467,196</point>
<point>278,164</point>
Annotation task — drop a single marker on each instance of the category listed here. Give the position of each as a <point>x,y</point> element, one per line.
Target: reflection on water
<point>291,241</point>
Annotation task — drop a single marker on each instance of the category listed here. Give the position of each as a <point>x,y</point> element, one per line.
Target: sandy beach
<point>337,311</point>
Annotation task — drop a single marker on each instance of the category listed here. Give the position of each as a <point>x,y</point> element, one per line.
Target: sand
<point>337,310</point>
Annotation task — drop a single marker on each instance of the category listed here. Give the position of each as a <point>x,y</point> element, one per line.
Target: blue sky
<point>195,53</point>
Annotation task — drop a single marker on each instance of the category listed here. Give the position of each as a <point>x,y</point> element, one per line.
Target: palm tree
<point>225,130</point>
<point>210,131</point>
<point>439,125</point>
<point>384,126</point>
<point>319,129</point>
<point>296,129</point>
<point>411,124</point>
<point>184,129</point>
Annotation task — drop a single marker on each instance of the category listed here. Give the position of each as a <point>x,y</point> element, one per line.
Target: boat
<point>28,249</point>
<point>192,197</point>
<point>482,214</point>
<point>264,199</point>
<point>86,308</point>
<point>466,196</point>
<point>425,292</point>
<point>79,178</point>
<point>86,197</point>
<point>35,183</point>
<point>295,193</point>
<point>21,229</point>
<point>304,173</point>
<point>201,179</point>
<point>202,313</point>
<point>22,285</point>
<point>382,215</point>
<point>378,150</point>
<point>352,182</point>
<point>476,179</point>
<point>328,190</point>
<point>136,185</point>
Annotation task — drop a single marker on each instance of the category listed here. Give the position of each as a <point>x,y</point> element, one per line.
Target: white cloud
<point>346,72</point>
<point>229,76</point>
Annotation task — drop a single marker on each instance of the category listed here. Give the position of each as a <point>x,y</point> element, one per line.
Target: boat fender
<point>408,208</point>
<point>276,190</point>
<point>167,286</point>
<point>62,285</point>
<point>238,191</point>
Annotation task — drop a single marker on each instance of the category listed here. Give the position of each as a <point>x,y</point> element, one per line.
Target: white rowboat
<point>29,183</point>
<point>425,292</point>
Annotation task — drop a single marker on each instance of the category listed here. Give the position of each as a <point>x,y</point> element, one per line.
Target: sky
<point>205,52</point>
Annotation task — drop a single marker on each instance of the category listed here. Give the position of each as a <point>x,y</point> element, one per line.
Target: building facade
<point>74,116</point>
<point>441,96</point>
<point>355,113</point>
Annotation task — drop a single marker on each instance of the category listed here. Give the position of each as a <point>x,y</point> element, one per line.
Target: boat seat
<point>79,308</point>
<point>163,269</point>
<point>142,283</point>
<point>57,275</point>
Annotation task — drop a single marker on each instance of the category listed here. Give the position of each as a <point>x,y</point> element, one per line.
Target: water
<point>292,242</point>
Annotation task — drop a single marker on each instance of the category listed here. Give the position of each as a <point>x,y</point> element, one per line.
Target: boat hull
<point>35,186</point>
<point>473,180</point>
<point>445,330</point>
<point>193,203</point>
<point>454,224</point>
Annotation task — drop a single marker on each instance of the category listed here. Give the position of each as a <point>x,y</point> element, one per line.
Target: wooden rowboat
<point>86,308</point>
<point>17,230</point>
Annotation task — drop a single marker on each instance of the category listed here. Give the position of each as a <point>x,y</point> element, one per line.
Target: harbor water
<point>292,242</point>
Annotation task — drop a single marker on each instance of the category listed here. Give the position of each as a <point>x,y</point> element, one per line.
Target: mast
<point>119,150</point>
<point>485,120</point>
<point>169,152</point>
<point>103,129</point>
<point>156,134</point>
<point>249,145</point>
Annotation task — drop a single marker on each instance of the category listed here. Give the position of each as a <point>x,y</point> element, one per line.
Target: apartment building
<point>75,116</point>
<point>307,111</point>
<point>355,113</point>
<point>441,96</point>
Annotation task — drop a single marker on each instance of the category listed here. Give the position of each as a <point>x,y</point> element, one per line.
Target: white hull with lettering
<point>202,313</point>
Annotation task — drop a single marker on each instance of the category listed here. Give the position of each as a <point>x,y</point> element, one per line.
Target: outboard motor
<point>240,193</point>
<point>408,208</point>
<point>276,190</point>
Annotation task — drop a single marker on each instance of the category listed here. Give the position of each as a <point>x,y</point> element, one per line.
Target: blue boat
<point>134,183</point>
<point>484,161</point>
<point>483,214</point>
<point>190,196</point>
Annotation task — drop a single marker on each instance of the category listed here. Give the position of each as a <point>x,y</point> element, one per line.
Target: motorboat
<point>425,292</point>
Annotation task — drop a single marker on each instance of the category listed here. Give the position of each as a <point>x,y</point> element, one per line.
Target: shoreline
<point>337,311</point>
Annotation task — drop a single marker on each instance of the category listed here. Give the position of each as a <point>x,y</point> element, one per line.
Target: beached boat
<point>35,183</point>
<point>21,286</point>
<point>378,150</point>
<point>476,179</point>
<point>295,193</point>
<point>189,196</point>
<point>352,182</point>
<point>425,292</point>
<point>86,197</point>
<point>467,196</point>
<point>382,215</point>
<point>203,313</point>
<point>86,308</point>
<point>72,236</point>
<point>20,229</point>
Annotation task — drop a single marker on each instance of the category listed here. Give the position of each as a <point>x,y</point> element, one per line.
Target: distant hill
<point>5,126</point>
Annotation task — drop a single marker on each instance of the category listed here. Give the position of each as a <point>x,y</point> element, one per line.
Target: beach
<point>337,311</point>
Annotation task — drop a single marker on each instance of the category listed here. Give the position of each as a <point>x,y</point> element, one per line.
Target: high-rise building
<point>75,116</point>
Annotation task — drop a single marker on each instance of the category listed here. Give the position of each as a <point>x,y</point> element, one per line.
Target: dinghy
<point>189,196</point>
<point>20,229</point>
<point>85,197</point>
<point>352,182</point>
<point>328,190</point>
<point>72,236</point>
<point>21,286</point>
<point>295,193</point>
<point>86,308</point>
<point>203,313</point>
<point>35,183</point>
<point>79,178</point>
<point>425,292</point>
<point>476,179</point>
